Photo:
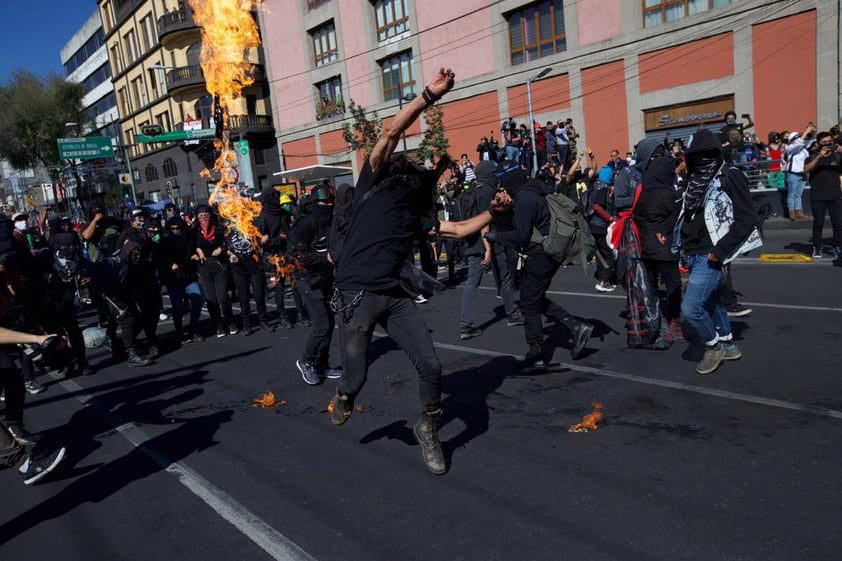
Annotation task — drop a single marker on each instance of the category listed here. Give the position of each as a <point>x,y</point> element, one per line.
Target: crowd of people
<point>347,257</point>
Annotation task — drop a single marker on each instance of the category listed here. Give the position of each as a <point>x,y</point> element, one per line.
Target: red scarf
<point>209,235</point>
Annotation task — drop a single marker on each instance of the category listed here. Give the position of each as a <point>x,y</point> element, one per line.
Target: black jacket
<point>657,210</point>
<point>531,210</point>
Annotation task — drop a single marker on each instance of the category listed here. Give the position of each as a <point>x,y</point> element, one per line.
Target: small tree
<point>364,132</point>
<point>434,145</point>
<point>34,112</point>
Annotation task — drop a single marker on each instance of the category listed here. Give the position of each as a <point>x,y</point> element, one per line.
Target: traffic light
<point>152,130</point>
<point>54,169</point>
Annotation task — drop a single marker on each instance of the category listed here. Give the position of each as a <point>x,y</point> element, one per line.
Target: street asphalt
<point>173,461</point>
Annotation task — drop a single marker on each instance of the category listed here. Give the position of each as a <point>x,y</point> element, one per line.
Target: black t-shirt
<point>824,179</point>
<point>381,233</point>
<point>482,200</point>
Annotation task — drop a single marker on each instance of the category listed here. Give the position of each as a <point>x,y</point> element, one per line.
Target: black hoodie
<point>695,239</point>
<point>629,177</point>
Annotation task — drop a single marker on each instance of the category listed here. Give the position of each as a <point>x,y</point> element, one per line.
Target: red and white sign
<point>190,125</point>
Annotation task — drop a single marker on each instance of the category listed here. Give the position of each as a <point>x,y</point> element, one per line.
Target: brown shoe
<point>675,327</point>
<point>801,216</point>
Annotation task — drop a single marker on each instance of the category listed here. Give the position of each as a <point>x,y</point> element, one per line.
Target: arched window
<point>193,52</point>
<point>169,168</point>
<point>151,173</point>
<point>204,107</point>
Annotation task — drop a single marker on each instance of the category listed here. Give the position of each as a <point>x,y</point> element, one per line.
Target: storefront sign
<point>687,114</point>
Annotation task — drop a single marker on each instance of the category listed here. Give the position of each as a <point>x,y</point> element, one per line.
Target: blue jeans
<point>702,307</point>
<point>512,152</point>
<point>469,295</point>
<point>794,189</point>
<point>177,294</point>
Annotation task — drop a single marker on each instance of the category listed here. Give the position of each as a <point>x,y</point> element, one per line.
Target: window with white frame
<point>656,12</point>
<point>392,18</point>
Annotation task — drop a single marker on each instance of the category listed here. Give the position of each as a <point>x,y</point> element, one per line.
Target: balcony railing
<point>250,123</point>
<point>173,22</point>
<point>184,77</point>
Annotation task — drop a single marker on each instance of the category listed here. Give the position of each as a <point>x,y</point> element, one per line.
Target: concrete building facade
<point>153,47</point>
<point>621,69</point>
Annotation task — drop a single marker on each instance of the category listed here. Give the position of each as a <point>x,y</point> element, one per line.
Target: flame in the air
<point>589,421</point>
<point>228,30</point>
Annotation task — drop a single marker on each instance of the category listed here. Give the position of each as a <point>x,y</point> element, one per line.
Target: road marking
<point>784,258</point>
<point>725,394</point>
<point>271,541</point>
<point>753,304</point>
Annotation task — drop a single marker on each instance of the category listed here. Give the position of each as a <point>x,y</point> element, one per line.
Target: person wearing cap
<point>531,213</point>
<point>308,246</point>
<point>796,177</point>
<point>275,225</point>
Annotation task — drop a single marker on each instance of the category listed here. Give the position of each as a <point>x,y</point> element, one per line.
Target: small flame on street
<point>267,400</point>
<point>590,420</point>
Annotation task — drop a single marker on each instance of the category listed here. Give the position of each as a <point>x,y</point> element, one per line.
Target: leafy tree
<point>364,132</point>
<point>34,112</point>
<point>434,145</point>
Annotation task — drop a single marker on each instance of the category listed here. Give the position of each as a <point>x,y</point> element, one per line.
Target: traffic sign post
<point>176,135</point>
<point>85,148</point>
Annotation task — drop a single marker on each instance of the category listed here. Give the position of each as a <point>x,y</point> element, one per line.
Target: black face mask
<point>322,213</point>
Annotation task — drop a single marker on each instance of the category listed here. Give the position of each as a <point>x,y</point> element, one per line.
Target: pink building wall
<point>353,48</point>
<point>605,108</point>
<point>286,54</point>
<point>598,20</point>
<point>465,45</point>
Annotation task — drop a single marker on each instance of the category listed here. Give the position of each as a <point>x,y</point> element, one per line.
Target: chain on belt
<point>337,304</point>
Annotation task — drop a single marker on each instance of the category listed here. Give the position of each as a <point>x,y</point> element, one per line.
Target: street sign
<point>85,148</point>
<point>176,135</point>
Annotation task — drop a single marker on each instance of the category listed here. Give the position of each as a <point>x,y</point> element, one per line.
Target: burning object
<point>267,400</point>
<point>589,421</point>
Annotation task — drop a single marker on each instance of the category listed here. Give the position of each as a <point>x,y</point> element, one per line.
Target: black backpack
<point>587,199</point>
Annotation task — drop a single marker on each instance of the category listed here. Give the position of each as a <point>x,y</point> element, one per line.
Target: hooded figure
<point>630,177</point>
<point>707,181</point>
<point>343,208</point>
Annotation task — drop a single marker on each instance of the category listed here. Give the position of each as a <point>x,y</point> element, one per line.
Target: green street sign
<point>85,148</point>
<point>176,135</point>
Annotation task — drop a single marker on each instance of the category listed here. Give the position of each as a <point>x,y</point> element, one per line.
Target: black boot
<point>247,328</point>
<point>535,357</point>
<point>580,331</point>
<point>136,359</point>
<point>426,433</point>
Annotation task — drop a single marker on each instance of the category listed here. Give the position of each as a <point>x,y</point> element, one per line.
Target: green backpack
<point>569,239</point>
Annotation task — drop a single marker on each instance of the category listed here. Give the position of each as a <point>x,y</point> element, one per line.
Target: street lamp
<point>406,97</point>
<point>538,76</point>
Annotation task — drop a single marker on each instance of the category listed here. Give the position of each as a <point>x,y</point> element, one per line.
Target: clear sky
<point>34,31</point>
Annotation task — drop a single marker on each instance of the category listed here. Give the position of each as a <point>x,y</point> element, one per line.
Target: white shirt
<point>796,155</point>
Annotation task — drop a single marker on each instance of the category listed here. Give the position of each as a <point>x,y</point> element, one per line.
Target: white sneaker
<point>605,286</point>
<point>420,299</point>
<point>163,317</point>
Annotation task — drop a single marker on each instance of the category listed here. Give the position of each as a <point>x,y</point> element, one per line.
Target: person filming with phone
<point>824,166</point>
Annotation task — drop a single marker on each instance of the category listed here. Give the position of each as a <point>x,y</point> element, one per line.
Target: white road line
<point>664,383</point>
<point>623,297</point>
<point>271,541</point>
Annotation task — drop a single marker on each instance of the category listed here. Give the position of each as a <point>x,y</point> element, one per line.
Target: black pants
<point>11,382</point>
<point>537,276</point>
<point>726,287</point>
<point>213,276</point>
<point>144,315</point>
<point>316,294</point>
<point>250,281</point>
<point>671,276</point>
<point>608,271</point>
<point>819,209</point>
<point>58,314</point>
<point>397,313</point>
